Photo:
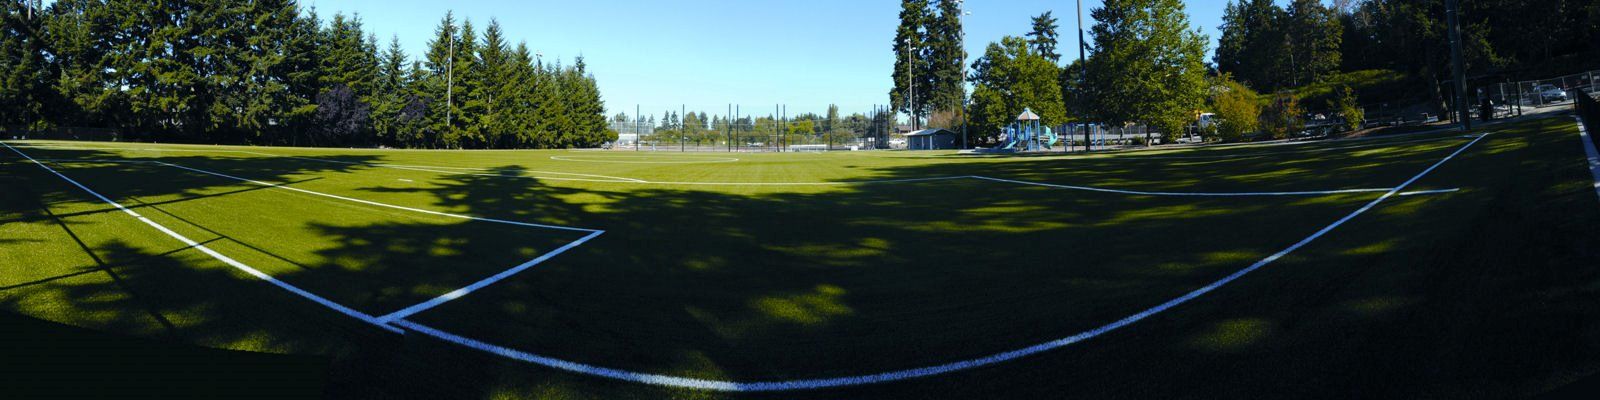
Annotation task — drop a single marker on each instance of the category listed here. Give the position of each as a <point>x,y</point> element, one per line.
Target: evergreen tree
<point>25,92</point>
<point>491,95</point>
<point>391,94</point>
<point>1042,39</point>
<point>437,82</point>
<point>910,60</point>
<point>946,60</point>
<point>1252,43</point>
<point>1313,32</point>
<point>302,71</point>
<point>465,131</point>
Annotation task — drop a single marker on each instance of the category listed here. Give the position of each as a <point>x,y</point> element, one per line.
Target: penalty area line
<point>458,293</point>
<point>218,256</point>
<point>854,380</point>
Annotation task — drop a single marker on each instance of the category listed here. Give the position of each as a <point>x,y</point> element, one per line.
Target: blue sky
<point>709,53</point>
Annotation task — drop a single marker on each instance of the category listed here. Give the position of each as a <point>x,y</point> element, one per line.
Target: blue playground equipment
<point>1027,135</point>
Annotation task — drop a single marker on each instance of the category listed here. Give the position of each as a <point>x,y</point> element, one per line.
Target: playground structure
<point>1026,134</point>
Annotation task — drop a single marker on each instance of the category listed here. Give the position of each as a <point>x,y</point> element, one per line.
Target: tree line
<point>273,73</point>
<point>1147,64</point>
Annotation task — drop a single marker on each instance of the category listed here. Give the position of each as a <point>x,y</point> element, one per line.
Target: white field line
<point>218,256</point>
<point>374,203</point>
<point>458,293</point>
<point>802,384</point>
<point>426,168</point>
<point>1273,153</point>
<point>1198,194</point>
<point>1423,192</point>
<point>685,161</point>
<point>908,180</point>
<point>1589,150</point>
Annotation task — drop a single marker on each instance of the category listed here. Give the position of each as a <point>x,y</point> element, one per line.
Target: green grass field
<point>1476,280</point>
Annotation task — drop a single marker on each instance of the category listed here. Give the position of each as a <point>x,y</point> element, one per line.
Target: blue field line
<point>854,380</point>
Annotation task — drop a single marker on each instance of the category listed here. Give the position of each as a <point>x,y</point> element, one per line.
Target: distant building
<point>931,139</point>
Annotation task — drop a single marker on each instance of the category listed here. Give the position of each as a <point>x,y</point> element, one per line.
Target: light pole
<point>962,44</point>
<point>1083,81</point>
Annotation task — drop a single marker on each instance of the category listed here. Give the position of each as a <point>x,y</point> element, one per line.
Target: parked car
<point>1551,93</point>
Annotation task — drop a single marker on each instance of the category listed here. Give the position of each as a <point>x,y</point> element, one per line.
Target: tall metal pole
<point>683,128</point>
<point>1457,66</point>
<point>911,85</point>
<point>961,18</point>
<point>637,136</point>
<point>1083,82</point>
<point>449,81</point>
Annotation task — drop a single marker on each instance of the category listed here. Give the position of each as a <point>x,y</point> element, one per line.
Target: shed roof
<point>933,131</point>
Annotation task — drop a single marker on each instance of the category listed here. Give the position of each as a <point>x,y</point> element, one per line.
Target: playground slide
<point>1009,145</point>
<point>1051,137</point>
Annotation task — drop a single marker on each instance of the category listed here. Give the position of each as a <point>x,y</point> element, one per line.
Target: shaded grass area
<point>1484,293</point>
<point>50,360</point>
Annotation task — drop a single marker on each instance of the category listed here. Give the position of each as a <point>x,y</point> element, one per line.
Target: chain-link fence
<point>1513,98</point>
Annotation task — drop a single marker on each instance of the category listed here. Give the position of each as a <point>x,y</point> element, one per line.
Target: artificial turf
<point>1473,293</point>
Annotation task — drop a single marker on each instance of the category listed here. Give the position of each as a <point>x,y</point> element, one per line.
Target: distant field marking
<point>214,254</point>
<point>819,383</point>
<point>1197,194</point>
<point>1134,155</point>
<point>1590,152</point>
<point>1423,192</point>
<point>425,168</point>
<point>613,159</point>
<point>943,178</point>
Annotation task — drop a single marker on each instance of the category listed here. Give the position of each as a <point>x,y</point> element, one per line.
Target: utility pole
<point>1083,82</point>
<point>683,128</point>
<point>637,134</point>
<point>1457,66</point>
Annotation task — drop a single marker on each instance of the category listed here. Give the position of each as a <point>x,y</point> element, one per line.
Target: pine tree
<point>302,72</point>
<point>24,73</point>
<point>465,132</point>
<point>946,60</point>
<point>438,82</point>
<point>1042,39</point>
<point>391,94</point>
<point>910,58</point>
<point>491,93</point>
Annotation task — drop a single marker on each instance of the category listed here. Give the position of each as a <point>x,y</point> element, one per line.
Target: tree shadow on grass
<point>799,284</point>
